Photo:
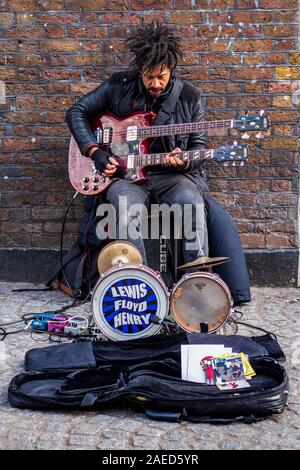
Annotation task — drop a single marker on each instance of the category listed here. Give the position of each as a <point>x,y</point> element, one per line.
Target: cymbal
<point>118,251</point>
<point>204,262</point>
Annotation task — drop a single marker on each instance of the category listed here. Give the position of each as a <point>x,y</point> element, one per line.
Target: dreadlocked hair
<point>152,45</point>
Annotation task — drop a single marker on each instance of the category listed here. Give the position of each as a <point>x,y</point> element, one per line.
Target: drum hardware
<point>204,262</point>
<point>118,252</point>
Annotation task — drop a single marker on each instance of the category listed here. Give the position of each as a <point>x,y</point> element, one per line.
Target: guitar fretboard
<point>173,129</point>
<point>158,158</point>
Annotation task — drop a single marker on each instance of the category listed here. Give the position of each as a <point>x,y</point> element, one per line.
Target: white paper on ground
<point>191,356</point>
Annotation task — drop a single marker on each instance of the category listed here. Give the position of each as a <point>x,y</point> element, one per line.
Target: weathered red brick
<point>220,59</point>
<point>6,18</point>
<point>23,102</point>
<point>60,74</point>
<point>253,240</point>
<point>280,241</point>
<point>29,75</point>
<point>58,88</point>
<point>20,5</point>
<point>215,4</point>
<point>284,143</point>
<point>245,227</point>
<point>281,185</point>
<point>57,18</point>
<point>152,5</point>
<point>279,87</point>
<point>245,4</point>
<point>281,31</point>
<point>55,32</point>
<point>278,4</point>
<point>60,60</point>
<point>252,45</point>
<point>20,32</point>
<point>253,73</point>
<point>74,5</point>
<point>245,17</point>
<point>52,45</point>
<point>81,32</point>
<point>53,5</point>
<point>186,18</point>
<point>118,5</point>
<point>284,44</point>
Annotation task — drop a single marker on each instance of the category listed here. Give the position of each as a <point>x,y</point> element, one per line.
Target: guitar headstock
<point>255,122</point>
<point>231,153</point>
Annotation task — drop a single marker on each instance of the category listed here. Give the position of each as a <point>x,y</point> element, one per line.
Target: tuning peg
<point>261,112</point>
<point>246,113</point>
<point>245,136</point>
<point>259,135</point>
<point>233,164</point>
<point>242,164</point>
<point>235,142</point>
<point>226,163</point>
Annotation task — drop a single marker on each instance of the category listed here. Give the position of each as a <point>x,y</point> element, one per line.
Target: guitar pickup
<point>131,133</point>
<point>107,135</point>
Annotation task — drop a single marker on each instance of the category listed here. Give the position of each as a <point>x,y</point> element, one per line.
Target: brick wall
<point>243,53</point>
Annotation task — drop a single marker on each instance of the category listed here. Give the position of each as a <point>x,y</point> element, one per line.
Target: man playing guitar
<point>151,85</point>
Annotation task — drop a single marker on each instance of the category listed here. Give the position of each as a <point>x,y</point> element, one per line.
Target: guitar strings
<point>172,127</point>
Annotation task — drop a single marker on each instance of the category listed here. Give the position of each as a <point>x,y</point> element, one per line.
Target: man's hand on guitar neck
<point>172,160</point>
<point>104,162</point>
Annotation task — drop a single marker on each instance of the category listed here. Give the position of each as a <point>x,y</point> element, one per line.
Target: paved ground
<point>274,309</point>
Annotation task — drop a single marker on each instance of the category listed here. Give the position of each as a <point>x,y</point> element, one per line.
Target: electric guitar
<point>86,179</point>
<point>130,136</point>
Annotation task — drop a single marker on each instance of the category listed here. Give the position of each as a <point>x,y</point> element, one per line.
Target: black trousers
<point>224,240</point>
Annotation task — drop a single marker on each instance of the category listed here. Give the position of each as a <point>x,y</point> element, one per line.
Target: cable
<point>61,241</point>
<point>6,333</point>
<point>256,328</point>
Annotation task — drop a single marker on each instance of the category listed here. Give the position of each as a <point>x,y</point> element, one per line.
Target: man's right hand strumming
<point>104,162</point>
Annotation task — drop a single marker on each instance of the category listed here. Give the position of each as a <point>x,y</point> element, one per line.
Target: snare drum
<point>200,302</point>
<point>125,300</point>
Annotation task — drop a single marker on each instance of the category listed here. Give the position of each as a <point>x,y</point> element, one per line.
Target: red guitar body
<point>82,173</point>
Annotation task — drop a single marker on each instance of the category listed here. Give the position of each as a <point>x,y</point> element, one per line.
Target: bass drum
<point>200,302</point>
<point>129,302</point>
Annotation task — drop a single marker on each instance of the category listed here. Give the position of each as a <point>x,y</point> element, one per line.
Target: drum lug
<point>216,276</point>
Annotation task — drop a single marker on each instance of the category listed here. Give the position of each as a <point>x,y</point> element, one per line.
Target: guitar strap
<point>169,104</point>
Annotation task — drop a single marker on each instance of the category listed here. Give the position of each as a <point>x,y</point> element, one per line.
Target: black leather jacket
<point>122,94</point>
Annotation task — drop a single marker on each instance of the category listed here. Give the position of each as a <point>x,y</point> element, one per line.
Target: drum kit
<point>131,301</point>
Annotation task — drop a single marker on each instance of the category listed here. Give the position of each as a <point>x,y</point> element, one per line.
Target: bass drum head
<point>200,303</point>
<point>124,301</point>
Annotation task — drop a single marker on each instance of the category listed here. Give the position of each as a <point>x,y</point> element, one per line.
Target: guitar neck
<point>158,158</point>
<point>184,128</point>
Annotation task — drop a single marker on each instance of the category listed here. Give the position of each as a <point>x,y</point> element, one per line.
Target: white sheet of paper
<point>191,356</point>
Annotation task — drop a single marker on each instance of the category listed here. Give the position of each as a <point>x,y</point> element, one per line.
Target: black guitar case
<point>147,373</point>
